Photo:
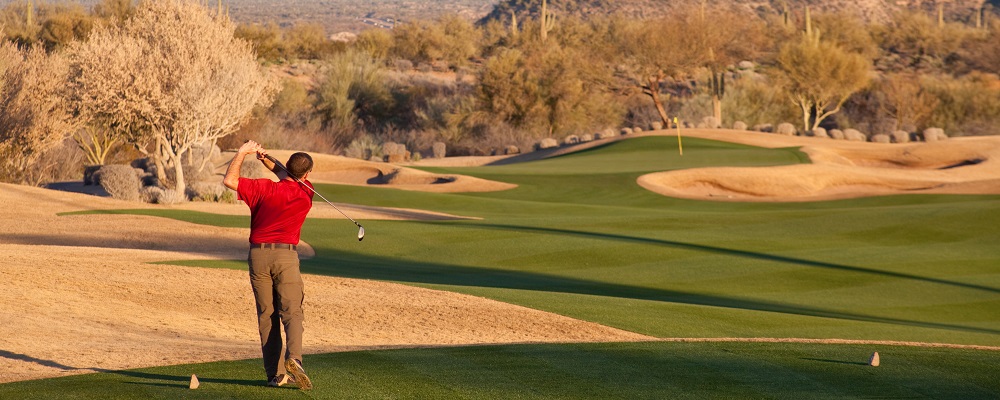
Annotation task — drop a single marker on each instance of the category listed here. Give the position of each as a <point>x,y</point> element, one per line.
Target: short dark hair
<point>299,164</point>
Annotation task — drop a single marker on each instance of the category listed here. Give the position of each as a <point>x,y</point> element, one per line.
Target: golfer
<point>277,210</point>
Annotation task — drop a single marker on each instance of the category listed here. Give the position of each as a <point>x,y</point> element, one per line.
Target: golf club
<point>361,229</point>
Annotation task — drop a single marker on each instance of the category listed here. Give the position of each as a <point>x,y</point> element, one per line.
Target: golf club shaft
<point>282,166</point>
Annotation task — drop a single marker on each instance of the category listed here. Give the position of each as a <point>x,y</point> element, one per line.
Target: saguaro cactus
<point>717,86</point>
<point>548,21</point>
<point>513,24</point>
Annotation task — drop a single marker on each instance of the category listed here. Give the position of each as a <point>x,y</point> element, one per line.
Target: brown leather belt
<point>273,246</point>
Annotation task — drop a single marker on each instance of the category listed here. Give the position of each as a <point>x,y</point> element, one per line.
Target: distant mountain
<point>869,10</point>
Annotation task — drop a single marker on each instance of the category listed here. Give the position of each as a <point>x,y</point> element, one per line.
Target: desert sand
<point>82,294</point>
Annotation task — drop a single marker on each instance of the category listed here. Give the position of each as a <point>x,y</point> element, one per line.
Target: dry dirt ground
<point>80,293</point>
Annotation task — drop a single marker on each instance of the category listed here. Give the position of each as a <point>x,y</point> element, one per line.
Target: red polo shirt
<point>277,209</point>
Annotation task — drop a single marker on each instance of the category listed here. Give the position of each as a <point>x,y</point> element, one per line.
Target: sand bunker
<point>840,170</point>
<point>350,171</point>
<point>83,297</point>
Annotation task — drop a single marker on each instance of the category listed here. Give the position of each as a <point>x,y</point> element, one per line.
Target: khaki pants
<point>277,288</point>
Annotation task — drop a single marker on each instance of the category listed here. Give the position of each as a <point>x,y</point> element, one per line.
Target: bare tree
<point>33,112</point>
<point>170,78</point>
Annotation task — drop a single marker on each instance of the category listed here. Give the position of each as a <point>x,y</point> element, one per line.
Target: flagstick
<point>680,147</point>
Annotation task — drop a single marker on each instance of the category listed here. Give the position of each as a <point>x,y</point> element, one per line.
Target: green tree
<point>19,23</point>
<point>651,51</point>
<point>353,91</point>
<point>376,42</point>
<point>819,76</point>
<point>61,24</point>
<point>450,39</point>
<point>718,38</point>
<point>115,11</point>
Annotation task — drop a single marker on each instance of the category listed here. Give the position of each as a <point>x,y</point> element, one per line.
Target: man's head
<point>300,164</point>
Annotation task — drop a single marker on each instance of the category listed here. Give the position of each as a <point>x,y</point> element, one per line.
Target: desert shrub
<point>402,65</point>
<point>915,40</point>
<point>375,42</point>
<point>207,191</point>
<point>120,181</point>
<point>511,149</point>
<point>901,137</point>
<point>855,135</point>
<point>836,134</point>
<point>309,41</point>
<point>626,131</point>
<point>820,132</point>
<point>571,139</point>
<point>353,90</point>
<point>266,39</point>
<point>763,128</point>
<point>364,148</point>
<point>440,150</point>
<point>636,129</point>
<point>64,162</point>
<point>656,125</point>
<point>171,196</point>
<point>712,122</point>
<point>586,138</point>
<point>229,196</point>
<point>756,102</point>
<point>740,126</point>
<point>451,40</point>
<point>966,106</point>
<point>34,113</point>
<point>786,129</point>
<point>150,194</point>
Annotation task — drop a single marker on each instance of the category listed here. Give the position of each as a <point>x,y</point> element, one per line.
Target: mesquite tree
<point>819,76</point>
<point>170,78</point>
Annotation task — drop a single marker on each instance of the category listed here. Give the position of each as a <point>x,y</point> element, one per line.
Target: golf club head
<point>361,232</point>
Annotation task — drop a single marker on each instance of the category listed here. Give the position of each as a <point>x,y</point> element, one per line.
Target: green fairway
<point>580,238</point>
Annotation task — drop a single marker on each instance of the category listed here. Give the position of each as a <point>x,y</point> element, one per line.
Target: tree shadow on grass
<point>735,253</point>
<point>363,266</point>
<point>183,380</point>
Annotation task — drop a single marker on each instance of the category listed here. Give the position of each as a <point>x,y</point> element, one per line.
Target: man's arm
<point>232,179</point>
<point>272,166</point>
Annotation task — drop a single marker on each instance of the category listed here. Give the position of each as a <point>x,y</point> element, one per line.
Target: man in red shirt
<point>277,211</point>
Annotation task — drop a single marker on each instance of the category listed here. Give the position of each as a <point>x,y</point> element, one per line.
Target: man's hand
<point>232,178</point>
<point>250,147</point>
